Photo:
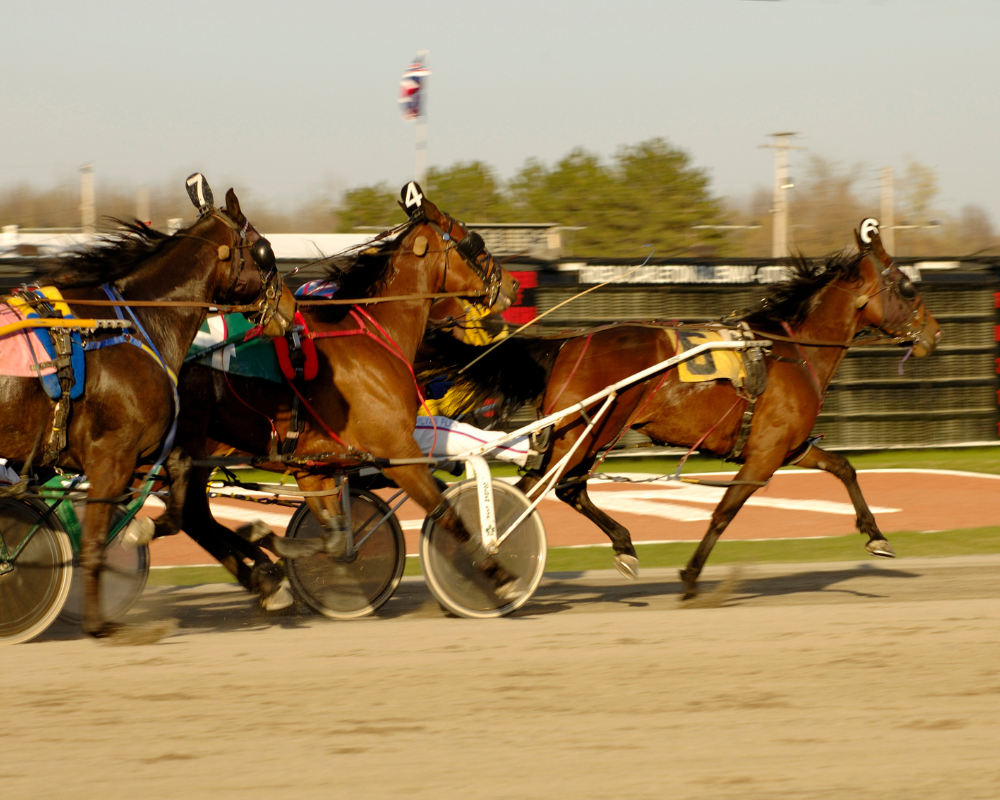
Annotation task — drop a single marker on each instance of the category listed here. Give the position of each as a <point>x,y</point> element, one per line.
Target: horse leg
<point>418,482</point>
<point>755,469</point>
<point>329,511</point>
<point>178,466</point>
<point>576,496</point>
<point>232,550</point>
<point>816,458</point>
<point>109,479</point>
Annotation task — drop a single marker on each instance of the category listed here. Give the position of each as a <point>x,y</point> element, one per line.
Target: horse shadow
<point>563,591</point>
<point>203,608</point>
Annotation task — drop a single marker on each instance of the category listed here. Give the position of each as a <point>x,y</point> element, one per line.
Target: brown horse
<point>812,319</point>
<point>364,396</point>
<point>127,408</point>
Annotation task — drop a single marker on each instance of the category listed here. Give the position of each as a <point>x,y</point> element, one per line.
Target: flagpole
<point>420,171</point>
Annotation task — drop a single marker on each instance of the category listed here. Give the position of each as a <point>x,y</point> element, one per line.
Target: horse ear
<point>431,212</point>
<point>879,250</point>
<point>233,208</point>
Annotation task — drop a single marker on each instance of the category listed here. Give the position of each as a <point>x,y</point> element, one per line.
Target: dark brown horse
<point>364,395</point>
<point>812,319</point>
<point>127,407</point>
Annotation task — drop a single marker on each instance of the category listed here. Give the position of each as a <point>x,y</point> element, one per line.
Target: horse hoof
<point>139,634</point>
<point>138,533</point>
<point>628,566</point>
<point>880,548</point>
<point>254,531</point>
<point>278,600</point>
<point>690,584</point>
<point>507,591</point>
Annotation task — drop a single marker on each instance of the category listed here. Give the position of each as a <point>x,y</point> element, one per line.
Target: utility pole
<point>887,221</point>
<point>88,216</point>
<point>779,238</point>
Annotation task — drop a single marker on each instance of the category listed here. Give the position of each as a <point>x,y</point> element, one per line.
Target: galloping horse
<point>812,318</point>
<point>127,408</point>
<point>364,396</point>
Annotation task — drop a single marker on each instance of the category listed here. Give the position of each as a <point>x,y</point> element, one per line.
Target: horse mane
<point>111,258</point>
<point>364,271</point>
<point>514,373</point>
<point>792,299</point>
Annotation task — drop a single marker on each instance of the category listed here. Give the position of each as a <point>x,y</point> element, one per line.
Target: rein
<point>367,301</point>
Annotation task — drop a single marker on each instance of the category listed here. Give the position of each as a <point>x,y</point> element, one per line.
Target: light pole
<point>779,239</point>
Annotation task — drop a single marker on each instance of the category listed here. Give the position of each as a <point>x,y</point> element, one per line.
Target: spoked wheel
<point>34,585</point>
<point>123,578</point>
<point>455,582</point>
<point>344,590</point>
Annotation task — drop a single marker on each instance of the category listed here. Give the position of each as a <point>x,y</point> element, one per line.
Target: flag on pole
<point>410,88</point>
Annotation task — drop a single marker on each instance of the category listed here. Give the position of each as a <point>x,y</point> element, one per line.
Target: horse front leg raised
<point>816,458</point>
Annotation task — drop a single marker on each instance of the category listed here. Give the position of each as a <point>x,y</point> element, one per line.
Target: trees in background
<point>647,194</point>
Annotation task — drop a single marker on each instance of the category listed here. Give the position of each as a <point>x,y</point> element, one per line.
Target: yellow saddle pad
<point>712,365</point>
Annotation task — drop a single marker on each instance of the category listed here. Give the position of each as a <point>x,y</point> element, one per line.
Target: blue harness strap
<point>76,355</point>
<point>149,348</point>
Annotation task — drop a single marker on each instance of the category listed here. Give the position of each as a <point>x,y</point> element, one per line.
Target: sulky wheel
<point>455,582</point>
<point>343,589</point>
<point>34,584</point>
<point>123,578</point>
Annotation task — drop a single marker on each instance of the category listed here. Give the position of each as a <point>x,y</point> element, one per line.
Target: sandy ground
<point>852,680</point>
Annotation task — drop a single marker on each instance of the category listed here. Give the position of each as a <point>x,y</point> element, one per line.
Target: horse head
<point>889,300</point>
<point>467,265</point>
<point>240,279</point>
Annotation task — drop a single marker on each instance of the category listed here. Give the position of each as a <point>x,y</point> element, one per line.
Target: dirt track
<point>868,679</point>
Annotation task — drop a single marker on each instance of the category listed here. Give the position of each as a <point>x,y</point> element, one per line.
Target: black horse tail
<point>512,374</point>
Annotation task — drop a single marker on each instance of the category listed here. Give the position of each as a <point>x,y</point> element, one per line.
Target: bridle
<point>267,282</point>
<point>895,284</point>
<point>473,252</point>
<point>262,256</point>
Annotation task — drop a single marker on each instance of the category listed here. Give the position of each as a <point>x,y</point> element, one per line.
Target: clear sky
<point>288,99</point>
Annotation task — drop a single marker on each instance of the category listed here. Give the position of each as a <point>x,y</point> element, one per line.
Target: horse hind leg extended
<point>576,496</point>
<point>840,467</point>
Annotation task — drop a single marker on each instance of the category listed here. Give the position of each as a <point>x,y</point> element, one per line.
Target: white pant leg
<point>455,438</point>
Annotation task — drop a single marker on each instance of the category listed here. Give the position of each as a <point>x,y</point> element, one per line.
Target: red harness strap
<point>311,366</point>
<point>576,366</point>
<point>812,372</point>
<point>360,316</point>
<point>628,425</point>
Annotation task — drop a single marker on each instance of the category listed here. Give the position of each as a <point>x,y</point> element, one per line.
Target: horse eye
<point>906,288</point>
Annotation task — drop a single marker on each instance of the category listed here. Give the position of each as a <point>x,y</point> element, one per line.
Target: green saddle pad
<point>221,344</point>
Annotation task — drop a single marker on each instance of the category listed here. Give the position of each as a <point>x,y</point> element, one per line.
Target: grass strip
<point>935,544</point>
<point>964,459</point>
